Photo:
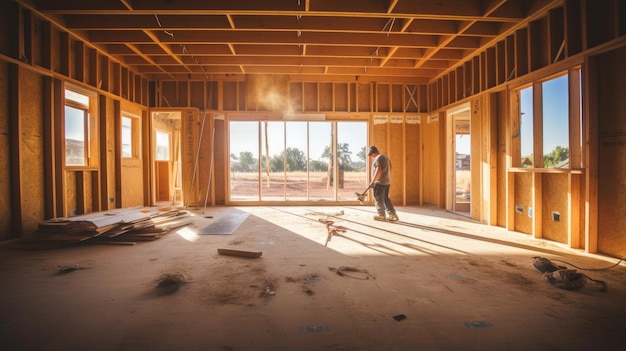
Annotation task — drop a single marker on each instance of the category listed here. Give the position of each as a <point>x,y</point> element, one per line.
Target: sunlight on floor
<point>188,233</point>
<point>416,234</point>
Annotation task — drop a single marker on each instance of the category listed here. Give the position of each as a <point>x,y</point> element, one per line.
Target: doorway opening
<point>461,174</point>
<point>166,165</point>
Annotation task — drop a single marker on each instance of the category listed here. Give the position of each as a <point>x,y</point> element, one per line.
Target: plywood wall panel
<point>295,96</point>
<point>88,194</point>
<point>132,169</point>
<point>242,90</point>
<point>310,97</point>
<point>364,97</point>
<point>523,198</point>
<point>383,97</point>
<point>379,132</point>
<point>110,151</point>
<point>555,199</point>
<point>396,155</point>
<point>501,173</point>
<point>341,97</point>
<point>431,156</point>
<point>230,96</point>
<point>612,197</point>
<point>325,97</point>
<point>70,193</point>
<point>412,166</point>
<point>31,148</point>
<point>612,153</point>
<point>132,182</point>
<point>581,217</point>
<point>5,184</point>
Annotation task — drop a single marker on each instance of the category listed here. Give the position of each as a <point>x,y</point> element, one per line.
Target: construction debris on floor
<point>564,278</point>
<point>119,226</point>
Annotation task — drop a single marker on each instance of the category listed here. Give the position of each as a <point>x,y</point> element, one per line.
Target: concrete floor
<point>436,281</point>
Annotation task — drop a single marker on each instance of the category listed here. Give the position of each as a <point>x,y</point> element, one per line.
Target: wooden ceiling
<point>415,40</point>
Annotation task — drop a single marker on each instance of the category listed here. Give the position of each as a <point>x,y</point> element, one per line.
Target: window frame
<point>574,132</point>
<point>156,145</point>
<point>135,136</point>
<point>90,130</point>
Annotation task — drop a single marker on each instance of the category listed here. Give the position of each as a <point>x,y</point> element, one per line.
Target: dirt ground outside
<point>433,281</point>
<point>303,186</point>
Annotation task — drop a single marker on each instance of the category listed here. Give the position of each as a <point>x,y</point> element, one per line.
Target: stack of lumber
<point>114,226</point>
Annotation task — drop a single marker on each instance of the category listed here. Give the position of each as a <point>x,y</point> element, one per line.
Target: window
<point>131,137</point>
<point>127,137</point>
<point>555,123</point>
<point>526,126</point>
<point>80,142</point>
<point>162,152</point>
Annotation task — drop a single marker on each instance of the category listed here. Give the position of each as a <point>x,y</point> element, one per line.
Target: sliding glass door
<point>297,161</point>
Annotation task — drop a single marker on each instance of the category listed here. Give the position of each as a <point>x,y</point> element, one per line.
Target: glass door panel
<point>321,173</point>
<point>296,168</point>
<point>463,174</point>
<point>272,161</point>
<point>244,161</point>
<point>351,159</point>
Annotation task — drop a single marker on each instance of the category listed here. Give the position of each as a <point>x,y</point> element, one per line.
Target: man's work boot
<point>393,218</point>
<point>380,218</point>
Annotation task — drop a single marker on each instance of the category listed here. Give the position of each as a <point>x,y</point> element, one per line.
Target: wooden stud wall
<point>502,140</point>
<point>39,58</point>
<point>563,33</point>
<point>611,152</point>
<point>293,96</point>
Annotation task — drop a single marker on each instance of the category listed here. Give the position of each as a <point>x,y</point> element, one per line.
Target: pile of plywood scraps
<point>119,226</point>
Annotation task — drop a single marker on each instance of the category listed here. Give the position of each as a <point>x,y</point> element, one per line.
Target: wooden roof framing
<point>190,39</point>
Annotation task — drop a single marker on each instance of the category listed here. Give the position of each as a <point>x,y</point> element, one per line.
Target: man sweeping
<point>381,181</point>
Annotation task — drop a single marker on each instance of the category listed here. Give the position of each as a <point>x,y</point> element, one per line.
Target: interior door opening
<point>166,165</point>
<point>461,174</point>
